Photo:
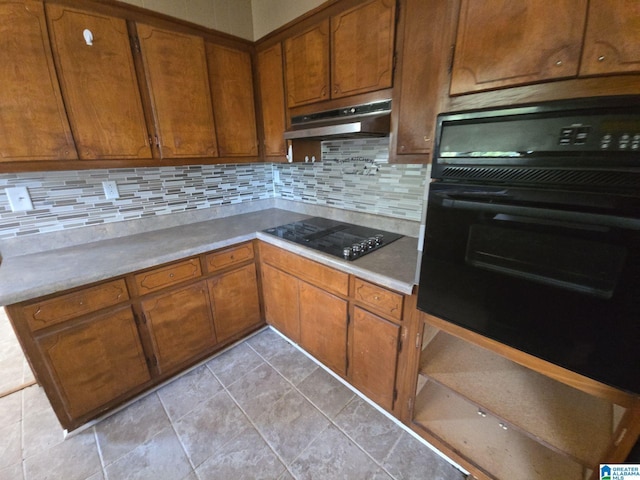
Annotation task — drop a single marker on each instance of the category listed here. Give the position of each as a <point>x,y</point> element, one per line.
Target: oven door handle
<point>562,215</point>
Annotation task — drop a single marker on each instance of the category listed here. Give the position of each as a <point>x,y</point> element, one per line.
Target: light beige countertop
<point>36,274</point>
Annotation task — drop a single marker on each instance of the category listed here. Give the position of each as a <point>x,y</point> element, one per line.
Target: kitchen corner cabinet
<point>271,89</point>
<point>425,41</point>
<point>97,346</point>
<point>99,84</point>
<point>29,84</point>
<point>348,54</point>
<point>231,82</point>
<point>478,402</point>
<point>503,44</point>
<point>175,68</point>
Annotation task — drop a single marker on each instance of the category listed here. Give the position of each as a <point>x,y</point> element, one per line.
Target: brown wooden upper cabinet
<point>175,66</point>
<point>33,122</point>
<point>307,65</point>
<point>271,88</point>
<point>502,43</point>
<point>231,81</point>
<point>99,83</point>
<point>426,35</point>
<point>610,50</point>
<point>360,43</point>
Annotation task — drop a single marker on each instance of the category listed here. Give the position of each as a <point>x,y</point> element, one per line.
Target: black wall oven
<point>533,232</point>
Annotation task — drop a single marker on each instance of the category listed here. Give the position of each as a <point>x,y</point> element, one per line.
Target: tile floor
<point>261,410</point>
<point>14,369</point>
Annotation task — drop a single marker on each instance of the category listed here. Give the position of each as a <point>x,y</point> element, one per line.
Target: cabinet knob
<point>171,275</point>
<point>559,63</point>
<point>427,139</point>
<point>601,58</point>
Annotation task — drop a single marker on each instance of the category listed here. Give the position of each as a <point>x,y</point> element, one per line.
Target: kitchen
<point>352,183</point>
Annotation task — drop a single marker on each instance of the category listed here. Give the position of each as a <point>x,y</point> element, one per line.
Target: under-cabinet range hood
<point>368,120</point>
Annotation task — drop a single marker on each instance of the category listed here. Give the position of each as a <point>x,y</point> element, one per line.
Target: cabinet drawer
<point>163,277</point>
<point>324,277</point>
<point>65,307</point>
<point>228,257</point>
<point>379,299</point>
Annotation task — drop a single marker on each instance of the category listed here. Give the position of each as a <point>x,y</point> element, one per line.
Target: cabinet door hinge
<point>400,343</point>
<point>347,367</point>
<point>143,318</point>
<point>418,342</point>
<point>348,319</point>
<point>410,407</point>
<point>395,394</point>
<point>154,360</point>
<point>451,57</point>
<point>135,44</point>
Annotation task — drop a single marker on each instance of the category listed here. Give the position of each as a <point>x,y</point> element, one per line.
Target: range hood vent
<point>368,120</point>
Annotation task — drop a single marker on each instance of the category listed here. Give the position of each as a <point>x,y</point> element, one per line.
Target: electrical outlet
<point>19,199</point>
<point>110,189</point>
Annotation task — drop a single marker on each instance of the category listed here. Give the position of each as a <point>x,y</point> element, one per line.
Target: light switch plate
<point>19,199</point>
<point>110,189</point>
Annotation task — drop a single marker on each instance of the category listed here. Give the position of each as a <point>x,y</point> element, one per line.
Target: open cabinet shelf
<point>506,415</point>
<point>559,416</point>
<point>504,454</point>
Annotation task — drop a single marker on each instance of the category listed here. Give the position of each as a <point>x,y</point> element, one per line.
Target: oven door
<point>553,273</point>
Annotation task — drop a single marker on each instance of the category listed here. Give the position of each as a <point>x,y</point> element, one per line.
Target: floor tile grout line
<point>255,427</point>
<point>100,454</point>
<point>356,395</point>
<point>173,428</point>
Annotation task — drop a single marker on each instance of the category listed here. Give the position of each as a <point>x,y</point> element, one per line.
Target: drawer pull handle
<point>503,426</point>
<point>481,413</point>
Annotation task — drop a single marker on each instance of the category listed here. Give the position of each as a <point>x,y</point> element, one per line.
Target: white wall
<point>271,14</point>
<point>229,16</point>
<point>250,19</point>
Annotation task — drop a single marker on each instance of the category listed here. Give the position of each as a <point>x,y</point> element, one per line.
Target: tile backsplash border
<point>354,176</point>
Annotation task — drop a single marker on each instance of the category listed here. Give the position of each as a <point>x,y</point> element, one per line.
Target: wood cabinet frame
<point>107,304</point>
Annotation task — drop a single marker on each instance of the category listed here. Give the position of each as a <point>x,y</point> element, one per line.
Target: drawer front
<point>163,277</point>
<point>322,276</point>
<point>380,299</point>
<point>228,257</point>
<point>65,307</point>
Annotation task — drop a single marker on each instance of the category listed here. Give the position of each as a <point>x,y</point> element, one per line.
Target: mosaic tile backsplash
<point>354,175</point>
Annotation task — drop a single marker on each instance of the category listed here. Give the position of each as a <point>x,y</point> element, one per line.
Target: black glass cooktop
<point>342,240</point>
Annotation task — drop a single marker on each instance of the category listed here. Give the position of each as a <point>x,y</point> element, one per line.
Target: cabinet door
<point>612,40</point>
<point>281,303</point>
<point>33,122</point>
<point>271,86</point>
<point>362,42</point>
<point>420,86</point>
<point>374,356</point>
<point>99,84</point>
<point>502,43</point>
<point>180,324</point>
<point>231,81</point>
<point>236,306</point>
<point>307,65</point>
<point>96,361</point>
<point>323,327</point>
<point>175,66</point>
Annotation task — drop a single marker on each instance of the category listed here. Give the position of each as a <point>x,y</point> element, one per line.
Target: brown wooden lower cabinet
<point>93,348</point>
<point>180,324</point>
<point>235,300</point>
<point>95,361</point>
<point>326,312</point>
<point>323,326</point>
<point>374,356</point>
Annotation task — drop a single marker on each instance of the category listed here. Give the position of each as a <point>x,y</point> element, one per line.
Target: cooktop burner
<point>342,240</point>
